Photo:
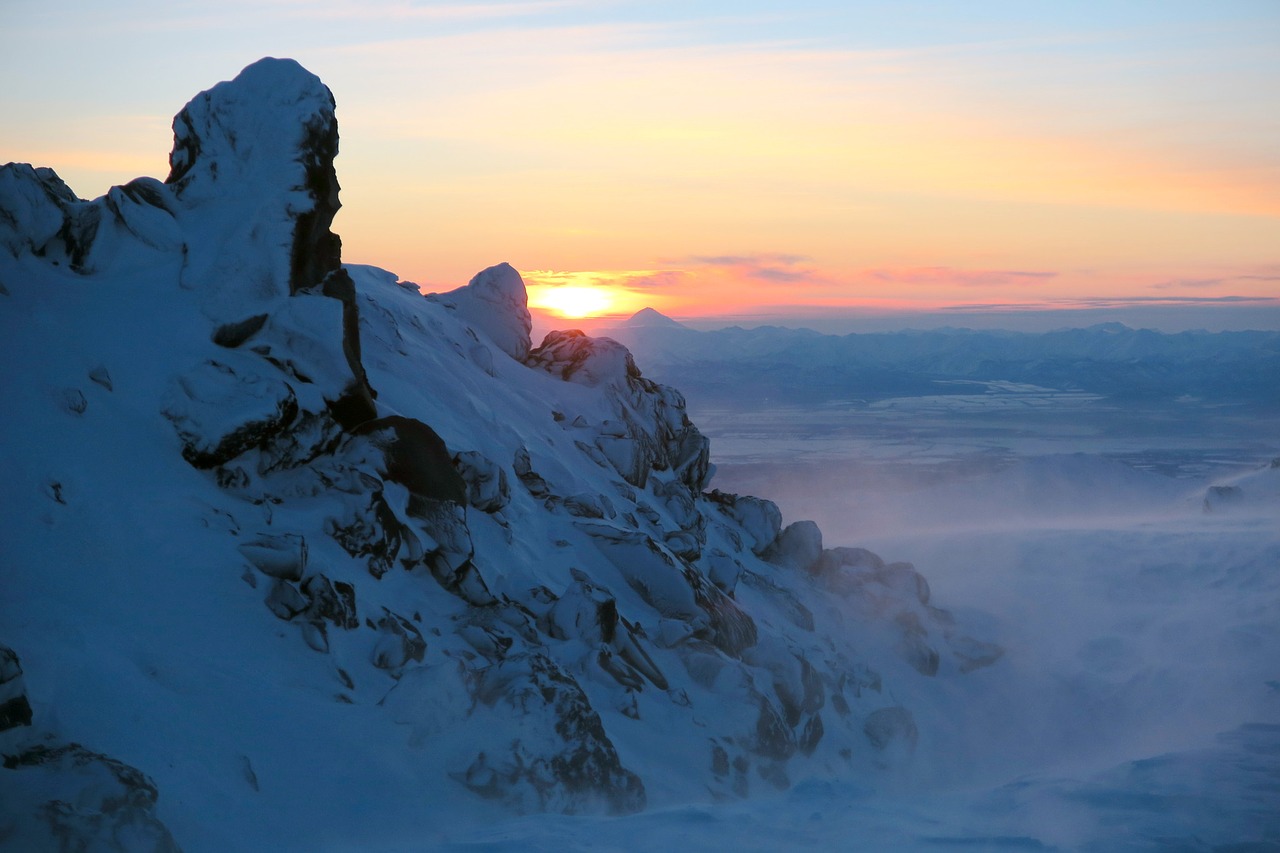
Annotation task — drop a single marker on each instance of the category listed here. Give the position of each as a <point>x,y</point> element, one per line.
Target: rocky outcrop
<point>253,166</point>
<point>62,796</point>
<point>70,798</point>
<point>509,558</point>
<point>495,304</point>
<point>651,432</point>
<point>15,708</point>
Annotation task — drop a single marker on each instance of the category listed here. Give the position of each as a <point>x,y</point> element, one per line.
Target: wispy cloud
<point>1190,283</point>
<point>633,280</point>
<point>957,276</point>
<point>1093,302</point>
<point>765,266</point>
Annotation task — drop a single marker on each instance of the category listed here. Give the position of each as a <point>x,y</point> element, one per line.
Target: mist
<point>1077,526</point>
<point>1140,616</point>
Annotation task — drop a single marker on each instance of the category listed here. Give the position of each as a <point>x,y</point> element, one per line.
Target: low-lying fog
<point>1138,703</point>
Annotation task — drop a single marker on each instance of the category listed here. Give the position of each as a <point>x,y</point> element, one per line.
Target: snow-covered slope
<point>297,557</point>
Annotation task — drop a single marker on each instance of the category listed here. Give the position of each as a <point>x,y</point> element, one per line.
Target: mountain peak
<point>651,317</point>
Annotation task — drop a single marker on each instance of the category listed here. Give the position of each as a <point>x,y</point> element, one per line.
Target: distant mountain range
<point>801,366</point>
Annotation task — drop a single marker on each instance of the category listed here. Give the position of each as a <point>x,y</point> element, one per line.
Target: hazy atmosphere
<point>558,426</point>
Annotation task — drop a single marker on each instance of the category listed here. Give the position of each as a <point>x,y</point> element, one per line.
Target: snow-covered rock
<point>495,304</point>
<point>1257,490</point>
<point>493,581</point>
<point>15,709</point>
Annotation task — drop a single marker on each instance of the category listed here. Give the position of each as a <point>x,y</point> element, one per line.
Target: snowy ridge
<point>304,557</point>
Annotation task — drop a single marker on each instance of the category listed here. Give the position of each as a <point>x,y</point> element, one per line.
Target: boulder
<point>416,458</point>
<point>760,518</point>
<point>221,410</point>
<point>495,302</point>
<point>487,488</point>
<point>797,547</point>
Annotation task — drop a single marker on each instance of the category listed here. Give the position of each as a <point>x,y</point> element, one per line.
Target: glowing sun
<point>573,301</point>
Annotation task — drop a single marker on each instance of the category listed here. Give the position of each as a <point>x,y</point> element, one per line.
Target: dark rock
<point>811,735</point>
<point>284,600</point>
<point>523,467</point>
<point>860,678</point>
<point>206,159</point>
<point>886,726</point>
<point>719,760</point>
<point>760,518</point>
<point>628,456</point>
<point>784,599</point>
<point>914,645</point>
<point>904,578</point>
<point>310,435</point>
<point>15,709</point>
<point>774,738</point>
<point>35,205</point>
<point>331,601</point>
<point>399,643</point>
<point>585,611</point>
<point>100,375</point>
<point>723,570</point>
<point>56,491</point>
<point>280,555</point>
<point>450,561</point>
<point>416,458</point>
<point>317,251</point>
<point>232,335</point>
<point>220,412</point>
<point>1220,498</point>
<point>732,630</point>
<point>652,432</point>
<point>373,532</point>
<point>231,478</point>
<point>584,506</point>
<point>356,404</point>
<point>577,357</point>
<point>684,544</point>
<point>974,654</point>
<point>572,766</point>
<point>73,400</point>
<point>630,647</point>
<point>487,488</point>
<point>797,547</point>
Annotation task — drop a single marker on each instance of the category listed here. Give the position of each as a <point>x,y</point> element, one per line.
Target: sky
<point>812,163</point>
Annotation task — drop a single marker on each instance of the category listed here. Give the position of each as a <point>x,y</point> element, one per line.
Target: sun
<point>573,301</point>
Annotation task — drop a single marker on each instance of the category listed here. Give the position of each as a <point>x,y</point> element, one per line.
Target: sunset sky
<point>745,162</point>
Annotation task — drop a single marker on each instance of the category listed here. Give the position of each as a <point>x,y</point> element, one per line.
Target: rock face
<point>15,708</point>
<point>506,562</point>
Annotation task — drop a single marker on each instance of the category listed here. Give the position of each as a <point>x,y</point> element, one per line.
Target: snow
<point>247,634</point>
